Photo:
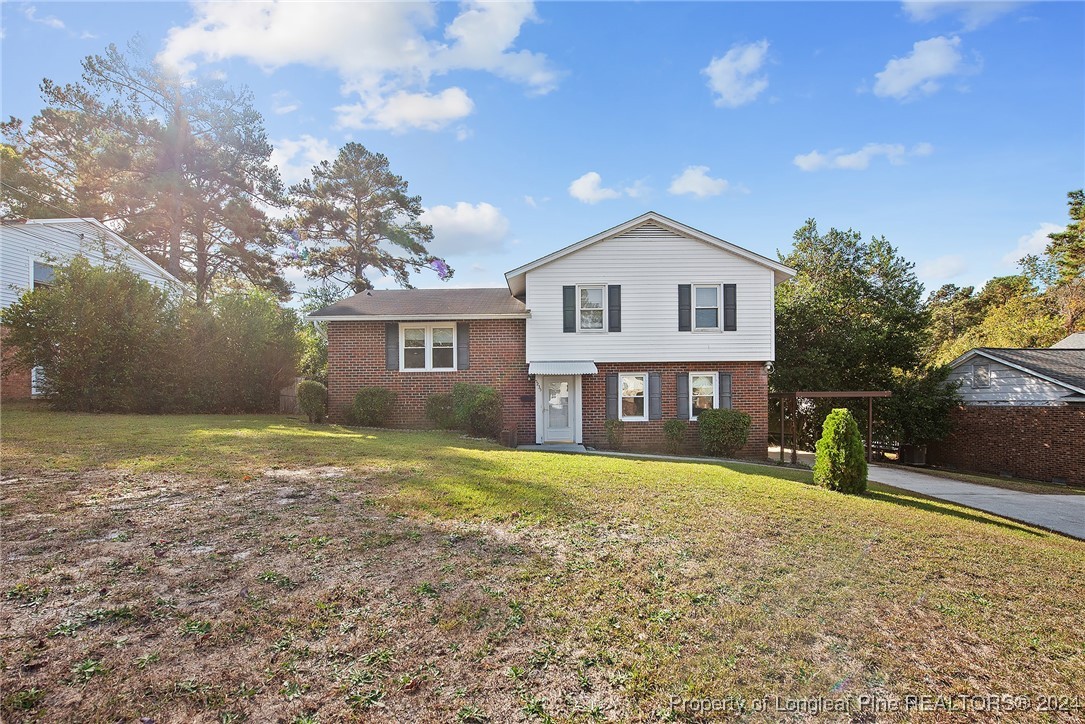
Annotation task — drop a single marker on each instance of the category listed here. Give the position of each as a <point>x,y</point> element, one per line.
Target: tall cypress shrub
<point>841,461</point>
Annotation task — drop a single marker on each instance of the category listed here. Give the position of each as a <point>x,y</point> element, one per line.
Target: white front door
<point>558,408</point>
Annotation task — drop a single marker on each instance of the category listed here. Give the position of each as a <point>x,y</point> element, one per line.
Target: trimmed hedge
<point>674,431</point>
<point>476,409</point>
<point>312,399</point>
<point>840,463</point>
<point>723,432</point>
<point>372,407</point>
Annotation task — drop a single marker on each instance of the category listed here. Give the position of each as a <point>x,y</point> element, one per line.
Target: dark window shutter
<point>682,395</point>
<point>730,316</point>
<point>612,396</point>
<point>655,396</point>
<point>685,292</point>
<point>568,312</point>
<point>725,390</point>
<point>614,308</point>
<point>463,346</point>
<point>391,346</point>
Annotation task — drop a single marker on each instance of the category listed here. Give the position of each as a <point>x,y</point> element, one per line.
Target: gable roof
<point>425,304</point>
<point>56,229</point>
<point>516,277</point>
<point>1074,341</point>
<point>1063,367</point>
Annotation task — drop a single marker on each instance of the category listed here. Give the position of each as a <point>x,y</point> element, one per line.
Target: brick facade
<point>356,359</point>
<point>749,390</point>
<point>497,349</point>
<point>14,381</point>
<point>1039,443</point>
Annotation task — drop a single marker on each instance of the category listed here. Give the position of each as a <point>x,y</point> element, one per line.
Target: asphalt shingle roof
<point>418,303</point>
<point>1065,365</point>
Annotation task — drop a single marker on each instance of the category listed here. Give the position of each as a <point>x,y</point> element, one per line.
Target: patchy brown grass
<point>200,568</point>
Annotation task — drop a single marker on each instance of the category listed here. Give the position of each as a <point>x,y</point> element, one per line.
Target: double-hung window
<point>429,347</point>
<point>704,392</point>
<point>43,275</point>
<point>591,307</point>
<point>981,376</point>
<point>706,306</point>
<point>633,404</point>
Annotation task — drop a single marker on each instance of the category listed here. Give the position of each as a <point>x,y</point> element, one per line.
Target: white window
<point>428,347</point>
<point>704,392</point>
<point>37,381</point>
<point>706,306</point>
<point>633,403</point>
<point>42,274</point>
<point>591,307</point>
<point>981,376</point>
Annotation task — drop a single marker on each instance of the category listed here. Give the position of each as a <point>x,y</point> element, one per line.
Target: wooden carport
<point>794,397</point>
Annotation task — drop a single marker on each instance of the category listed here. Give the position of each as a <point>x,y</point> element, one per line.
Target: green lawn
<point>210,567</point>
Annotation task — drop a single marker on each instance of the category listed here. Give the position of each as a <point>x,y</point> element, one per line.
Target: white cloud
<point>530,201</point>
<point>895,153</point>
<point>282,102</point>
<point>50,21</point>
<point>733,77</point>
<point>386,54</point>
<point>589,189</point>
<point>1032,243</point>
<point>296,157</point>
<point>466,228</point>
<point>403,111</point>
<point>972,14</point>
<point>919,73</point>
<point>943,268</point>
<point>695,181</point>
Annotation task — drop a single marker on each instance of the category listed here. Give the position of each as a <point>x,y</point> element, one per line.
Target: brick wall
<point>356,359</point>
<point>749,390</point>
<point>1039,443</point>
<point>14,381</point>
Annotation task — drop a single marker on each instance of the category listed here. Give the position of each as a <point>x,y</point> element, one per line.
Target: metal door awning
<point>562,367</point>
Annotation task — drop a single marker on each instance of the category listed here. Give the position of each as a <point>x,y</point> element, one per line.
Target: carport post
<point>783,414</point>
<point>869,429</point>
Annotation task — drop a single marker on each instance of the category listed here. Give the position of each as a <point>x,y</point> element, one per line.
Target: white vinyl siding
<point>21,245</point>
<point>1005,385</point>
<point>649,262</point>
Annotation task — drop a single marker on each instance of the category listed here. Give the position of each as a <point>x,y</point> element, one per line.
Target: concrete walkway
<point>1061,513</point>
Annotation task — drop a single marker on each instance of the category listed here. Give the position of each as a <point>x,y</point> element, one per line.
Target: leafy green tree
<point>357,218</point>
<point>185,166</point>
<point>918,411</point>
<point>104,337</point>
<point>852,315</point>
<point>1060,271</point>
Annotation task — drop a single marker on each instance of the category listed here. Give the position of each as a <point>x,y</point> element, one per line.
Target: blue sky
<point>954,129</point>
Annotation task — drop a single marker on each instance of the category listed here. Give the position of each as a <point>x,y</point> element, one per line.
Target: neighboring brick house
<point>648,321</point>
<point>29,249</point>
<point>1022,413</point>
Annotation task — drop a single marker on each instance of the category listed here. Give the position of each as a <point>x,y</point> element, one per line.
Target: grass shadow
<point>917,501</point>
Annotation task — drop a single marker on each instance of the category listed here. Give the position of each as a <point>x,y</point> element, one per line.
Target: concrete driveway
<point>1062,513</point>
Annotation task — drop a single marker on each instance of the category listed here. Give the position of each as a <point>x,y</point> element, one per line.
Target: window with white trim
<point>706,306</point>
<point>428,347</point>
<point>633,397</point>
<point>704,392</point>
<point>591,307</point>
<point>44,275</point>
<point>981,376</point>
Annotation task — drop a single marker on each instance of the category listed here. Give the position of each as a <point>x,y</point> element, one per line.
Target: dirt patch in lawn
<point>179,599</point>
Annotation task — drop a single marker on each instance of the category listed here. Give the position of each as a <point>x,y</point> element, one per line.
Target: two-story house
<point>648,321</point>
<point>29,250</point>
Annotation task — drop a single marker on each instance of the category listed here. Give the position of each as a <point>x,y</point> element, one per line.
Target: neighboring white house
<point>29,249</point>
<point>1022,377</point>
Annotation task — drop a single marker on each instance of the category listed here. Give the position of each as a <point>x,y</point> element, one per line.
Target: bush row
<point>107,340</point>
<point>475,409</point>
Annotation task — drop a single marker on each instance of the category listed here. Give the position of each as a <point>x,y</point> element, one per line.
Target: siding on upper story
<point>650,262</point>
<point>22,244</point>
<point>1009,386</point>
